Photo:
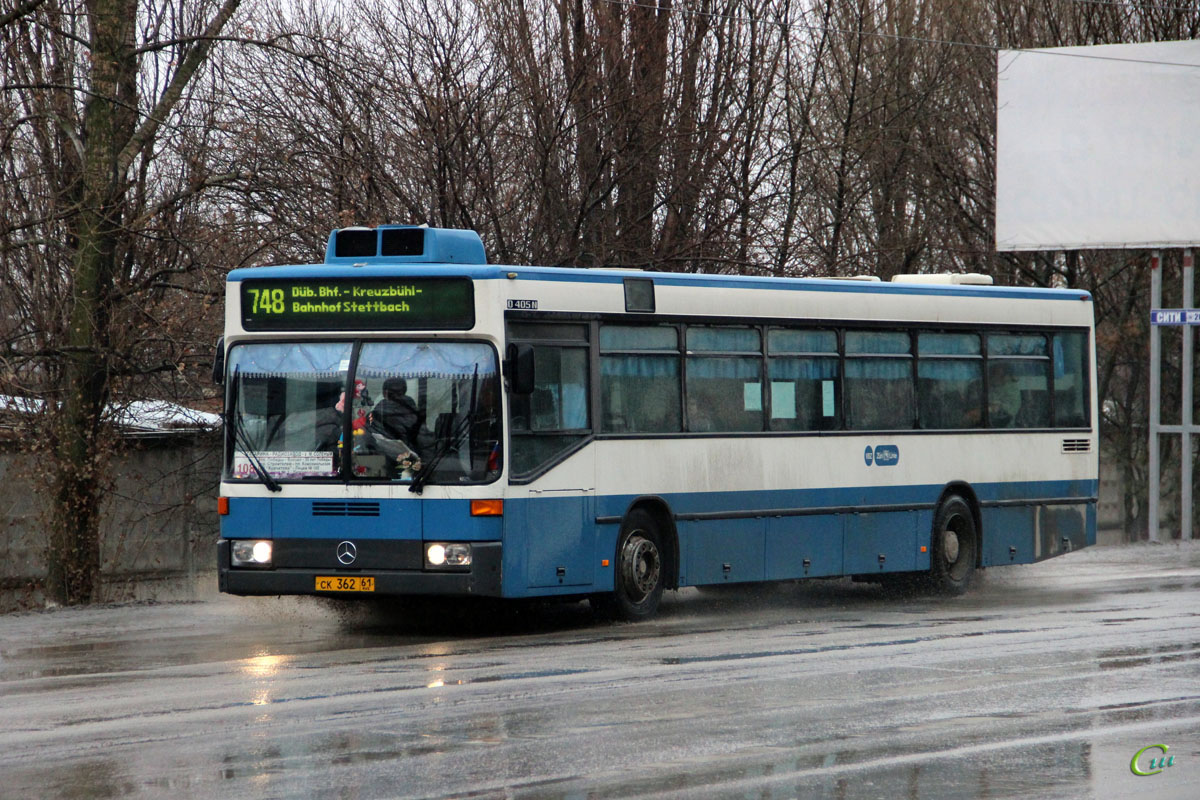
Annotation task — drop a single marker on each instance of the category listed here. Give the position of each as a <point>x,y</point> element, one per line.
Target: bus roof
<point>483,272</point>
<point>410,251</point>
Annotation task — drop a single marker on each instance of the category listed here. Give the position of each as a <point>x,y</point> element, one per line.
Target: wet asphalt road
<point>1043,682</point>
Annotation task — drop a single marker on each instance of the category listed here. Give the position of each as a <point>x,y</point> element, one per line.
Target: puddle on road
<point>353,754</point>
<point>804,651</point>
<point>1130,657</point>
<point>854,774</point>
<point>1077,763</point>
<point>237,630</point>
<point>1081,762</point>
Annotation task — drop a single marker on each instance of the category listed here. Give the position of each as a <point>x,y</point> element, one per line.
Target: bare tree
<point>770,136</point>
<point>90,90</point>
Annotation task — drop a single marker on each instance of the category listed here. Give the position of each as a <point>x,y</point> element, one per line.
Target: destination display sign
<point>389,304</point>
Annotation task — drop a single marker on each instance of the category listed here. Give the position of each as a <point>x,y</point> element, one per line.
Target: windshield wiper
<point>421,478</point>
<point>242,442</point>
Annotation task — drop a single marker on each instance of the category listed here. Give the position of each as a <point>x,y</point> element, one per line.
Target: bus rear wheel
<point>955,549</point>
<point>640,570</point>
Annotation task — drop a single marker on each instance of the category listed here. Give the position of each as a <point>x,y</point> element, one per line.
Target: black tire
<point>639,570</point>
<point>955,547</point>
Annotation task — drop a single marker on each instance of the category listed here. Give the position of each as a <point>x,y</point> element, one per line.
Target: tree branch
<point>20,11</point>
<point>154,47</point>
<point>183,76</point>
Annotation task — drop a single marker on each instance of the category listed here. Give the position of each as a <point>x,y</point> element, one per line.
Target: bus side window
<point>1071,390</point>
<point>640,379</point>
<point>803,369</point>
<point>724,379</point>
<point>559,398</point>
<point>1018,381</point>
<point>949,380</point>
<point>555,415</point>
<point>879,381</point>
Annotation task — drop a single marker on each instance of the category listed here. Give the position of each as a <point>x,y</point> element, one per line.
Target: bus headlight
<point>443,555</point>
<point>251,553</point>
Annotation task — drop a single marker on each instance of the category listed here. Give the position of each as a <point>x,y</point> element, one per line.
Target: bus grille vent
<point>344,509</point>
<point>1077,445</point>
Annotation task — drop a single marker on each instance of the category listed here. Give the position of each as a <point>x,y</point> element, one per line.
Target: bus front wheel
<point>955,549</point>
<point>640,570</point>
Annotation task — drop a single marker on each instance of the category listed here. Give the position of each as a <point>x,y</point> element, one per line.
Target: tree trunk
<point>109,122</point>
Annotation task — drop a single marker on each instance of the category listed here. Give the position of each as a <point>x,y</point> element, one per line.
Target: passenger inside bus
<point>395,425</point>
<point>1004,398</point>
<point>396,415</point>
<point>328,425</point>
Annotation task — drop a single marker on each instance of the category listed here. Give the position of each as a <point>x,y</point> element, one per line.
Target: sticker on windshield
<point>286,464</point>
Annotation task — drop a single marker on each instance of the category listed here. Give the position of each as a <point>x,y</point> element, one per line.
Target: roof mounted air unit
<point>404,243</point>
<point>949,278</point>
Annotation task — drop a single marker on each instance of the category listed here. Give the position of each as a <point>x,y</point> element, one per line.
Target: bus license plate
<point>356,583</point>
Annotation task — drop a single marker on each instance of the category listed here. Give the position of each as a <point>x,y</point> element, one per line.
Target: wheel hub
<point>950,546</point>
<point>641,566</point>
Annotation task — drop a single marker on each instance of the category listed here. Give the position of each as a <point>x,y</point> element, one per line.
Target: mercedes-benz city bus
<point>407,419</point>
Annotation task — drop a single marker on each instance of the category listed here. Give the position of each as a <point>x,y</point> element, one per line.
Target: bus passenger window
<point>640,394</point>
<point>879,381</point>
<point>1018,381</point>
<point>724,389</point>
<point>803,371</point>
<point>559,398</point>
<point>554,416</point>
<point>724,394</point>
<point>949,381</point>
<point>639,379</point>
<point>1071,390</point>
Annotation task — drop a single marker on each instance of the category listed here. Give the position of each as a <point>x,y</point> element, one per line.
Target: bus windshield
<point>425,411</point>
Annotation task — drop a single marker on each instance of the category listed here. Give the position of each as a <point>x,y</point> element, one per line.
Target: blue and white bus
<point>407,419</point>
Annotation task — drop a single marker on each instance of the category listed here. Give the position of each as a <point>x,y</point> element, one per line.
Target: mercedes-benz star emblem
<point>347,552</point>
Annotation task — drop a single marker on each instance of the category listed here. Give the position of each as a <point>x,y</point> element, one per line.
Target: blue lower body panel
<point>566,545</point>
<point>787,535</point>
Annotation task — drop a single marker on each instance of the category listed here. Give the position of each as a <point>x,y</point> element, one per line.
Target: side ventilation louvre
<point>1077,445</point>
<point>322,508</point>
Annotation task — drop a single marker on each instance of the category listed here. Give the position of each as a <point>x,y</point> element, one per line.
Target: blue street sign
<point>1175,316</point>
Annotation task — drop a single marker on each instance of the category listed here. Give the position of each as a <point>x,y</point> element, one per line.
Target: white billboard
<point>1098,147</point>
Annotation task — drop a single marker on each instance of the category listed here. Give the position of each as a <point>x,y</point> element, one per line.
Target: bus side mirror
<point>218,373</point>
<point>518,368</point>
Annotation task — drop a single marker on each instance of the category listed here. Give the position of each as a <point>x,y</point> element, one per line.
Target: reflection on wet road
<point>1043,682</point>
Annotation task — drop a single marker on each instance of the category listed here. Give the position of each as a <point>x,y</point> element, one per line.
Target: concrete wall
<point>159,530</point>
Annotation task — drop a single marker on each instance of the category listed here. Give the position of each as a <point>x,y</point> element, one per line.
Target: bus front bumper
<point>481,579</point>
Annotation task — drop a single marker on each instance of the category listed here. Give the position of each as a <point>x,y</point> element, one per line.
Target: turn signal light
<point>223,506</point>
<point>487,508</point>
